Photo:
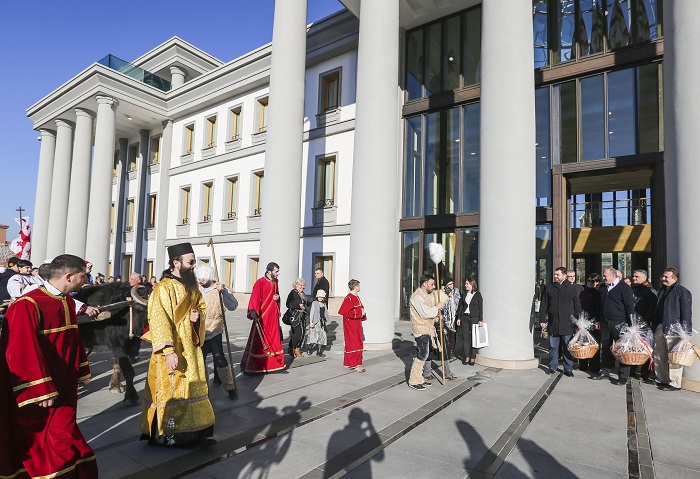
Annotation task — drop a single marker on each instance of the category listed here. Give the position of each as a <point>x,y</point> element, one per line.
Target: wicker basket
<point>584,352</point>
<point>684,359</point>
<point>632,358</point>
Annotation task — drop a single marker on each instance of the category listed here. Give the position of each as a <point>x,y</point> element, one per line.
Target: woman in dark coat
<point>297,303</point>
<point>469,312</point>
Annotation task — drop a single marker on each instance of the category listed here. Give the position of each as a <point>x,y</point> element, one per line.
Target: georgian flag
<point>598,29</point>
<point>619,33</point>
<point>22,245</point>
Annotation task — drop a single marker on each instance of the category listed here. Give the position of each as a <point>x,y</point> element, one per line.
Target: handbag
<point>287,317</point>
<point>480,335</point>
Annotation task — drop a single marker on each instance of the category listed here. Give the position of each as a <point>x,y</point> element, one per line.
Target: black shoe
<point>551,371</point>
<point>648,381</point>
<point>600,377</point>
<point>667,387</point>
<point>320,354</point>
<point>417,387</point>
<point>232,394</point>
<point>427,384</point>
<point>569,374</point>
<point>621,382</point>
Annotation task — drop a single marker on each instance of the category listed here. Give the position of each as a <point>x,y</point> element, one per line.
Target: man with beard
<point>645,306</point>
<point>424,314</point>
<point>263,351</point>
<point>176,409</point>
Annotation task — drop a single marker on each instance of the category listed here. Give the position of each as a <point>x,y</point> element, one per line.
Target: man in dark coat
<point>321,284</point>
<point>645,306</point>
<point>12,269</point>
<point>675,306</point>
<point>560,302</point>
<point>617,305</point>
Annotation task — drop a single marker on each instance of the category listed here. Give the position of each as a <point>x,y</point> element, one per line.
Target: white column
<point>42,203</point>
<point>507,215</point>
<point>282,195</point>
<point>682,143</point>
<point>58,211</point>
<point>375,173</point>
<point>97,247</point>
<point>161,258</point>
<point>178,76</point>
<point>78,201</point>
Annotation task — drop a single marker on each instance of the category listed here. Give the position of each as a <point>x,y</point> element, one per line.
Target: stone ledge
<point>533,363</point>
<point>378,346</point>
<point>690,385</point>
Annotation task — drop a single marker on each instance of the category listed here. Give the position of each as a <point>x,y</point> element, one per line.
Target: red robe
<point>263,352</point>
<point>353,313</point>
<point>42,357</point>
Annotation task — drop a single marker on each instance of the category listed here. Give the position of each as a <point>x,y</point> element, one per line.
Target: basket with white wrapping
<point>634,347</point>
<point>680,349</point>
<point>583,345</point>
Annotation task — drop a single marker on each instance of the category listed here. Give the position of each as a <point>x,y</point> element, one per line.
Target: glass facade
<point>611,208</point>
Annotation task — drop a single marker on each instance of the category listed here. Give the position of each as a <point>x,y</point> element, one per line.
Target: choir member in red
<point>263,352</point>
<point>42,361</point>
<point>353,314</point>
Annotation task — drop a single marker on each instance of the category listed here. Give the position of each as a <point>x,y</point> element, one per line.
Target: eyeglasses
<point>191,262</point>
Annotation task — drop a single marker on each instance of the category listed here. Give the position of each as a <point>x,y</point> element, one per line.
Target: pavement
<point>324,421</point>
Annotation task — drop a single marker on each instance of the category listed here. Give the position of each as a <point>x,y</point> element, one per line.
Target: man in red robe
<point>42,361</point>
<point>263,352</point>
<point>353,313</point>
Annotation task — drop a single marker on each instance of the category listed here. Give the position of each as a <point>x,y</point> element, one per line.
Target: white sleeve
<point>14,286</point>
<point>78,306</point>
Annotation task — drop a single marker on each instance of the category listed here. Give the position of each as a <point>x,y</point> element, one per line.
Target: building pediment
<point>179,53</point>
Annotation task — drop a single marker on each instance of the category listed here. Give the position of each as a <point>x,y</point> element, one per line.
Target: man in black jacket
<point>673,307</point>
<point>12,269</point>
<point>560,301</point>
<point>321,284</point>
<point>617,305</point>
<point>645,306</point>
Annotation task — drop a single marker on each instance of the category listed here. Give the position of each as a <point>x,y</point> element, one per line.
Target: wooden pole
<point>442,343</point>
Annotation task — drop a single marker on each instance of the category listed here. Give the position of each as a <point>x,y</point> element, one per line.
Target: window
<point>128,265</point>
<point>258,178</point>
<point>229,267</point>
<point>539,29</point>
<point>155,150</point>
<point>471,157</point>
<point>543,185</point>
<point>133,156</point>
<point>252,271</point>
<point>330,91</point>
<point>325,182</point>
<point>231,206</point>
<point>185,204</point>
<point>188,143</point>
<point>236,123</point>
<point>262,114</point>
<point>116,164</point>
<point>325,262</point>
<point>206,201</point>
<point>129,215</point>
<point>111,219</point>
<point>203,261</point>
<point>210,124</point>
<point>152,211</point>
<point>412,167</point>
<point>148,269</point>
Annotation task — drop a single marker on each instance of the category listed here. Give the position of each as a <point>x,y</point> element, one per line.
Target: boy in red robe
<point>42,361</point>
<point>263,352</point>
<point>353,313</point>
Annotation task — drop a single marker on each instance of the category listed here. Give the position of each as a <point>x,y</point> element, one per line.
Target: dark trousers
<point>216,348</point>
<point>296,338</point>
<point>609,332</point>
<point>643,370</point>
<point>592,364</point>
<point>554,341</point>
<point>466,322</point>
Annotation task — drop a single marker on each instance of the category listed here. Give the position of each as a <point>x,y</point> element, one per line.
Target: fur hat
<point>321,294</point>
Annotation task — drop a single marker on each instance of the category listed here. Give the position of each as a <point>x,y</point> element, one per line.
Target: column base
<point>690,385</point>
<point>377,346</point>
<point>508,363</point>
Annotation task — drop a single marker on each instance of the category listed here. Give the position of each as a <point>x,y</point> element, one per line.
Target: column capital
<point>167,123</point>
<point>107,100</point>
<point>84,112</point>
<point>64,123</point>
<point>176,70</point>
<point>47,133</point>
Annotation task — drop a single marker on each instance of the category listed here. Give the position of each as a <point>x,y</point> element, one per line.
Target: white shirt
<point>614,283</point>
<point>17,284</point>
<point>468,300</point>
<point>49,287</point>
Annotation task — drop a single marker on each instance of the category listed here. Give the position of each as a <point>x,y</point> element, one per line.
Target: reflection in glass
<point>621,124</point>
<point>412,169</point>
<point>647,20</point>
<point>447,266</point>
<point>539,31</point>
<point>472,47</point>
<point>431,174</point>
<point>591,27</point>
<point>441,162</point>
<point>451,57</point>
<point>469,257</point>
<point>649,101</point>
<point>566,94</point>
<point>470,157</point>
<point>451,162</point>
<point>592,118</point>
<point>542,148</point>
<point>433,63</point>
<point>566,21</point>
<point>619,23</point>
<point>414,64</point>
<point>411,268</point>
<point>543,255</point>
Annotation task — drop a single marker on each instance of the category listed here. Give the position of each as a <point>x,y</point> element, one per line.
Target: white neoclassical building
<point>517,134</point>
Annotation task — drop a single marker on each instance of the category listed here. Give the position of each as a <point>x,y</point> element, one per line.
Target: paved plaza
<point>322,421</point>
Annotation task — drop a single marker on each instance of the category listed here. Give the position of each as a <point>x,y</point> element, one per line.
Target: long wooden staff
<point>223,312</point>
<point>437,253</point>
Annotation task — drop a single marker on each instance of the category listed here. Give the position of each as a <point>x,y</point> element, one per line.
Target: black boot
<point>320,352</point>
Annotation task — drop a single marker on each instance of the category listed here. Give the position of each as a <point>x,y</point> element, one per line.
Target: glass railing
<point>122,66</point>
<point>621,212</point>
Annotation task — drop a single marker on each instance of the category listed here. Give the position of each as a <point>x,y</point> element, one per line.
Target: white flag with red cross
<point>22,245</point>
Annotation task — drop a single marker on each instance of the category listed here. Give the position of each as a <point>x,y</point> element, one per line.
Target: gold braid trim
<point>39,399</point>
<point>86,363</point>
<point>31,383</point>
<point>58,330</point>
<point>67,469</point>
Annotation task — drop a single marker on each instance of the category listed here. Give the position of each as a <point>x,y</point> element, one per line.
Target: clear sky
<point>47,42</point>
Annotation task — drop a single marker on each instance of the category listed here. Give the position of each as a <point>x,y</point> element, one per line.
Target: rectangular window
<point>262,114</point>
<point>252,271</point>
<point>116,164</point>
<point>411,267</point>
<point>111,219</point>
<point>231,206</point>
<point>229,268</point>
<point>591,27</point>
<point>565,94</point>
<point>543,164</point>
<point>650,111</point>
<point>133,157</point>
<point>155,150</point>
<point>330,91</point>
<point>148,269</point>
<point>414,64</point>
<point>129,215</point>
<point>185,205</point>
<point>618,16</point>
<point>433,61</point>
<point>188,140</point>
<point>325,263</point>
<point>203,260</point>
<point>210,124</point>
<point>441,170</point>
<point>472,48</point>
<point>412,168</point>
<point>152,211</point>
<point>469,257</point>
<point>128,265</point>
<point>540,32</point>
<point>622,131</point>
<point>325,182</point>
<point>258,178</point>
<point>565,31</point>
<point>451,64</point>
<point>236,123</point>
<point>206,203</point>
<point>471,158</point>
<point>593,118</point>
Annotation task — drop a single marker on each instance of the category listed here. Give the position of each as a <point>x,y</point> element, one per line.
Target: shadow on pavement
<point>339,455</point>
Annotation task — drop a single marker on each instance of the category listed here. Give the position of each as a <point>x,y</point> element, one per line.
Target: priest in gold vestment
<point>176,409</point>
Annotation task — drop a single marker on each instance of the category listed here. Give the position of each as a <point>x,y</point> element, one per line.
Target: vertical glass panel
<point>543,255</point>
<point>414,64</point>
<point>411,269</point>
<point>592,118</point>
<point>469,257</point>
<point>431,172</point>
<point>619,23</point>
<point>432,64</point>
<point>542,148</point>
<point>622,130</point>
<point>608,205</point>
<point>451,162</point>
<point>470,157</point>
<point>412,168</point>
<point>472,48</point>
<point>649,101</point>
<point>565,32</point>
<point>451,54</point>
<point>449,241</point>
<point>539,32</point>
<point>567,121</point>
<point>605,261</point>
<point>591,27</point>
<point>622,208</point>
<point>624,264</point>
<point>647,20</point>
